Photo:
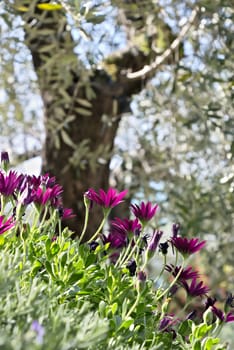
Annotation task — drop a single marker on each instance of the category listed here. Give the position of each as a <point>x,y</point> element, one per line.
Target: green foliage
<point>181,135</point>
<point>57,293</point>
<point>79,299</point>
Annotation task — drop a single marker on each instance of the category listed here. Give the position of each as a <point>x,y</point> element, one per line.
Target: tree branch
<point>148,70</point>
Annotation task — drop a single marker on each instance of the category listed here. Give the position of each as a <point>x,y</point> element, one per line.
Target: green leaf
<point>49,269</point>
<point>54,249</point>
<point>66,139</point>
<point>185,328</point>
<point>114,308</point>
<point>210,342</point>
<point>127,323</point>
<point>84,103</point>
<point>2,240</point>
<point>197,345</point>
<point>75,277</point>
<point>83,112</point>
<point>49,7</point>
<point>36,266</point>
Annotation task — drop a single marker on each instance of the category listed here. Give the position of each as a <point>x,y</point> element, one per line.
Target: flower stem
<point>133,306</point>
<point>106,213</point>
<point>162,270</point>
<point>87,207</point>
<point>173,282</point>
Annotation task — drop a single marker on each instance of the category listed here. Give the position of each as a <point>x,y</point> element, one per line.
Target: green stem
<point>123,256</point>
<point>133,306</point>
<point>2,204</point>
<point>162,270</point>
<point>133,250</point>
<point>87,207</point>
<point>106,213</point>
<point>173,282</point>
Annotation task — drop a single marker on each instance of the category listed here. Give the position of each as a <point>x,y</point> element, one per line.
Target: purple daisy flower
<point>195,289</point>
<point>5,226</point>
<point>145,211</point>
<point>42,197</point>
<point>166,324</point>
<point>9,183</point>
<point>229,317</point>
<point>186,274</point>
<point>108,199</point>
<point>187,246</point>
<point>126,226</point>
<point>65,213</point>
<point>116,239</point>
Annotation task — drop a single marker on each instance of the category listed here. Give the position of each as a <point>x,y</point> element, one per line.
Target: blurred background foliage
<point>175,141</point>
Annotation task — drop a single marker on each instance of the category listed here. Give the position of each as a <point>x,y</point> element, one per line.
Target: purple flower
<point>154,241</point>
<point>186,274</point>
<point>5,226</point>
<point>187,246</point>
<point>166,324</point>
<point>65,213</point>
<point>229,317</point>
<point>195,289</point>
<point>39,330</point>
<point>51,195</point>
<point>116,239</point>
<point>108,199</point>
<point>145,211</point>
<point>125,226</point>
<point>9,183</point>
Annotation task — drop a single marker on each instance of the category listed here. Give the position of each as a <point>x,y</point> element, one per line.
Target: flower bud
<point>208,316</point>
<point>141,278</point>
<point>5,160</point>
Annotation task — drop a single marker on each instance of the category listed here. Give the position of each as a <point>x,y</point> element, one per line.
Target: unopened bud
<point>208,316</point>
<point>5,160</point>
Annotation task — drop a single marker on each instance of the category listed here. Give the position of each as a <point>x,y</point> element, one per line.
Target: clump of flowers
<point>21,192</point>
<point>107,274</point>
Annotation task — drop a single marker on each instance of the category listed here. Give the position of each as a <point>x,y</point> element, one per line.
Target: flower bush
<point>58,293</point>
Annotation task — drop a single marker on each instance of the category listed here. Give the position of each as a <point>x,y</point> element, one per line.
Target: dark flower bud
<point>173,290</point>
<point>5,160</point>
<point>131,266</point>
<point>209,302</point>
<point>229,302</point>
<point>175,229</point>
<point>5,157</point>
<point>141,276</point>
<point>154,241</point>
<point>191,315</point>
<point>93,245</point>
<point>163,247</point>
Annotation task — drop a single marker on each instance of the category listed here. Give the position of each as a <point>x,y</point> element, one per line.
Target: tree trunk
<point>82,108</point>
